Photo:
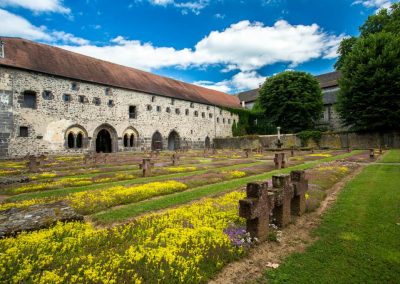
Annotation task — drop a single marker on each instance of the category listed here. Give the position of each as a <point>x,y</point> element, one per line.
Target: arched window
<point>79,140</point>
<point>126,140</point>
<point>131,140</point>
<point>71,140</point>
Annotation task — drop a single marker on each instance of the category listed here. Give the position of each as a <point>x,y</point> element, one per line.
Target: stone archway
<point>174,141</point>
<point>156,141</point>
<point>207,142</point>
<point>106,139</point>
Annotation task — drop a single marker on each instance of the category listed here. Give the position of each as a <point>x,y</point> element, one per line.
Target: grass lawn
<point>393,156</point>
<point>135,209</point>
<point>359,238</point>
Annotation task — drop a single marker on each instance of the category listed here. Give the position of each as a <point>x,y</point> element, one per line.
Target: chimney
<point>2,54</point>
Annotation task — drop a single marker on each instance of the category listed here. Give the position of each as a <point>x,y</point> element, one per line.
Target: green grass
<point>359,238</point>
<point>65,191</point>
<point>393,156</point>
<point>135,209</point>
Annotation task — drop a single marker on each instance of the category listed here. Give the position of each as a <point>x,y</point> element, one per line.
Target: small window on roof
<point>153,99</point>
<point>208,107</point>
<point>172,101</point>
<point>192,105</point>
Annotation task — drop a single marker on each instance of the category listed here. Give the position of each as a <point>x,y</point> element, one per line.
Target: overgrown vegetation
<point>251,122</point>
<point>306,135</point>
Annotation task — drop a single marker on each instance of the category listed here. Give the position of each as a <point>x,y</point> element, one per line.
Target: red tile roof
<point>33,56</point>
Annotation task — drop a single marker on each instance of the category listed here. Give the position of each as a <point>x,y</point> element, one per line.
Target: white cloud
<point>194,6</point>
<point>13,25</point>
<point>239,82</point>
<point>379,4</point>
<point>16,26</point>
<point>37,6</point>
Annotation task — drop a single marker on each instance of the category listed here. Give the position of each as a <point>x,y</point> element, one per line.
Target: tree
<point>292,100</point>
<point>369,96</point>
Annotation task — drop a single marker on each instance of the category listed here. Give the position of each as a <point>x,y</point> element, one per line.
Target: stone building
<point>56,101</point>
<point>330,88</point>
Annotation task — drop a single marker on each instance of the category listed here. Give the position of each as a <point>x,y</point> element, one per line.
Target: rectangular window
<point>187,112</point>
<point>29,99</point>
<point>168,110</point>
<point>172,101</point>
<point>108,91</point>
<point>82,99</point>
<point>149,107</point>
<point>177,111</point>
<point>158,108</point>
<point>23,131</point>
<point>132,112</point>
<point>196,113</point>
<point>208,107</point>
<point>192,105</point>
<point>110,103</point>
<point>67,98</point>
<point>153,99</point>
<point>74,86</point>
<point>96,101</point>
<point>203,115</point>
<point>210,115</point>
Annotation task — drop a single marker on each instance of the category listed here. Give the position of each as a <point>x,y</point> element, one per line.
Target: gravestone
<point>371,153</point>
<point>255,209</point>
<point>280,160</point>
<point>283,192</point>
<point>146,166</point>
<point>300,187</point>
<point>175,159</point>
<point>247,152</point>
<point>33,163</point>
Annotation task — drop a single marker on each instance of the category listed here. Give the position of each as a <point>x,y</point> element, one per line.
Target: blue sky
<point>227,45</point>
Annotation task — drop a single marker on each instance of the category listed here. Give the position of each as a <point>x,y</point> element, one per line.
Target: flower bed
<point>183,245</point>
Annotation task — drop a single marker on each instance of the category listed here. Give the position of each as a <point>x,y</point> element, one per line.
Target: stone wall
<point>52,119</point>
<point>329,140</point>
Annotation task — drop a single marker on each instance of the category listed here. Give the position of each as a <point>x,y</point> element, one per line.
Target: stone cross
<point>280,161</point>
<point>32,164</point>
<point>300,187</point>
<point>146,166</point>
<point>255,209</point>
<point>371,153</point>
<point>175,159</point>
<point>283,193</point>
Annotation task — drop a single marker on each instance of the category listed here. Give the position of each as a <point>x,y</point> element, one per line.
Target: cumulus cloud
<point>37,6</point>
<point>16,26</point>
<point>239,82</point>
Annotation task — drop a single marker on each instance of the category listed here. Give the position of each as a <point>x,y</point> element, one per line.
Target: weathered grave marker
<point>280,160</point>
<point>371,153</point>
<point>283,192</point>
<point>32,164</point>
<point>175,159</point>
<point>255,209</point>
<point>146,166</point>
<point>300,187</point>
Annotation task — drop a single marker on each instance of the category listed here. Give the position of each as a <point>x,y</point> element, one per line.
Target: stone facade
<point>73,108</point>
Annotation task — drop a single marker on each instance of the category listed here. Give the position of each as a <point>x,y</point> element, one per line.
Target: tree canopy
<point>369,97</point>
<point>292,100</point>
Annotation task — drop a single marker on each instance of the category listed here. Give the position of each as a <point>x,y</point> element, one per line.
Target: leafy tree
<point>369,97</point>
<point>292,100</point>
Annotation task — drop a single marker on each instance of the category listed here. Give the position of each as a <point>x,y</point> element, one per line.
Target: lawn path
<point>359,238</point>
<point>122,213</point>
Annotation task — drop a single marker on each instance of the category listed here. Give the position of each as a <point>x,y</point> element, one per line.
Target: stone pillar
<point>283,195</point>
<point>300,187</point>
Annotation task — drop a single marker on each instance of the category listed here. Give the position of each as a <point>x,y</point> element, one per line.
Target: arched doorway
<point>173,141</point>
<point>156,141</point>
<point>207,143</point>
<point>104,142</point>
